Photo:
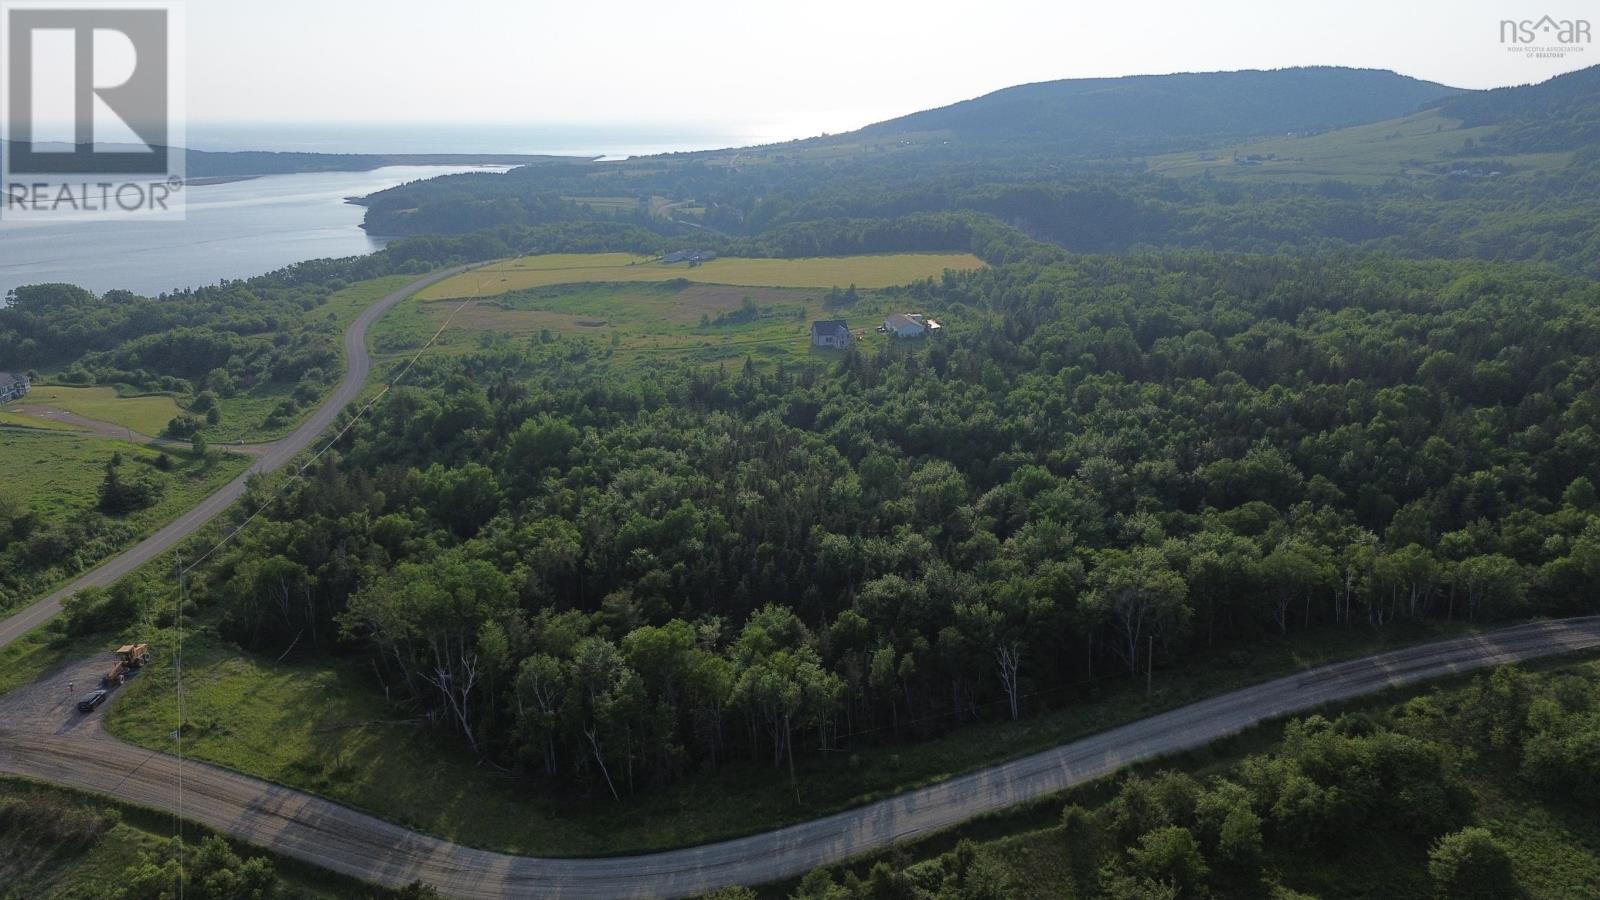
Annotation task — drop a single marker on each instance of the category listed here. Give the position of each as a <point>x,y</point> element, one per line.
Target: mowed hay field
<point>877,271</point>
<point>703,322</point>
<point>146,415</point>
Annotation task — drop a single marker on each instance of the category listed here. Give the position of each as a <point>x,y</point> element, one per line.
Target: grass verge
<point>325,728</point>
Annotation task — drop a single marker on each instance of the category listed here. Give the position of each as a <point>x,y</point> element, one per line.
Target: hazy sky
<point>786,69</point>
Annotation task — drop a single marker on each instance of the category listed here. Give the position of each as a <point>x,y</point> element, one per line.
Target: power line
<point>300,470</point>
<point>183,571</point>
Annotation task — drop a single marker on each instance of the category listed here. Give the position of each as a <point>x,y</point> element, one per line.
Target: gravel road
<point>269,457</point>
<point>42,738</point>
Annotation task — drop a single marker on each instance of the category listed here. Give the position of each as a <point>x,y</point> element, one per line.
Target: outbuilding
<point>905,325</point>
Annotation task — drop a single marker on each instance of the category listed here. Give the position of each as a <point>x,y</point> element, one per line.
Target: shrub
<point>1470,864</point>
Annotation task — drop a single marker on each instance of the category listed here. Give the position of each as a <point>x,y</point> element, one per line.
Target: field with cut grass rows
<point>865,272</point>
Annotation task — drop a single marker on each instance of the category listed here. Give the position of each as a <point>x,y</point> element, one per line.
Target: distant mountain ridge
<point>1142,112</point>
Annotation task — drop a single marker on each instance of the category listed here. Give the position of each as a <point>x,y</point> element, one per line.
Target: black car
<point>91,700</point>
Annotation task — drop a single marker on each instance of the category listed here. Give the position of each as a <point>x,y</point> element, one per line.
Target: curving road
<point>40,737</point>
<point>269,457</point>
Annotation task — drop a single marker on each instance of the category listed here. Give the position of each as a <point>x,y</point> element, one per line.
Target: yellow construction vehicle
<point>129,658</point>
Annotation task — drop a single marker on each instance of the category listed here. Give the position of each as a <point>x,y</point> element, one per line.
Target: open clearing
<point>57,475</point>
<point>1412,147</point>
<point>639,322</point>
<point>147,414</point>
<point>878,271</point>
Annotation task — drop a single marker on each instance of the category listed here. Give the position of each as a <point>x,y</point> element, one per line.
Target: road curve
<point>271,457</point>
<point>73,752</point>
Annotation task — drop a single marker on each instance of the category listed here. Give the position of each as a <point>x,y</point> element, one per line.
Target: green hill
<point>1560,114</point>
<point>1100,115</point>
<point>1471,135</point>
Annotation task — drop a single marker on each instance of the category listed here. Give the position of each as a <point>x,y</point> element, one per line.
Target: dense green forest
<point>1481,791</point>
<point>609,577</point>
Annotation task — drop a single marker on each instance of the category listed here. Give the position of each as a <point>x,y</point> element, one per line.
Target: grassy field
<point>1410,147</point>
<point>324,728</point>
<point>637,322</point>
<point>1555,851</point>
<point>608,204</point>
<point>147,414</point>
<point>58,477</point>
<point>819,272</point>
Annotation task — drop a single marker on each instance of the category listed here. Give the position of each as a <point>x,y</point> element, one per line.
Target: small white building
<point>909,325</point>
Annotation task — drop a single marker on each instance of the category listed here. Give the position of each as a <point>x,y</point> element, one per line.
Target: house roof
<point>7,380</point>
<point>830,327</point>
<point>900,320</point>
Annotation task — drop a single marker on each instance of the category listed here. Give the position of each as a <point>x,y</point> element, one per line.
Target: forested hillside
<point>1019,156</point>
<point>1097,116</point>
<point>1560,114</point>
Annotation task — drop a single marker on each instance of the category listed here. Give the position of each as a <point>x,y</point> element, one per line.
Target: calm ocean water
<point>246,228</point>
<point>231,230</point>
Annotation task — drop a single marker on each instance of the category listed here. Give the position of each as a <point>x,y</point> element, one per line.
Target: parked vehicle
<point>92,699</point>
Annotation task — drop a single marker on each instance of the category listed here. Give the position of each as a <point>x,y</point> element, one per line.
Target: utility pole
<point>1150,668</point>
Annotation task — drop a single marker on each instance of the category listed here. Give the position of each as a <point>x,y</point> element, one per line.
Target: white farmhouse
<point>12,387</point>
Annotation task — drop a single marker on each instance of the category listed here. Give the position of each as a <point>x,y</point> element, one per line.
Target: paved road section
<point>40,737</point>
<point>269,457</point>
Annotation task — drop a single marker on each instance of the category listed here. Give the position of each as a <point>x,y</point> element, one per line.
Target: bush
<point>1564,761</point>
<point>120,496</point>
<point>181,427</point>
<point>1170,856</point>
<point>1469,864</point>
<point>1239,849</point>
<point>94,610</point>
